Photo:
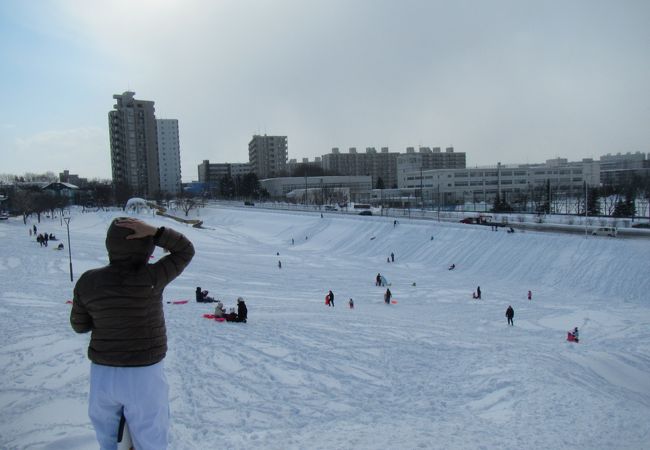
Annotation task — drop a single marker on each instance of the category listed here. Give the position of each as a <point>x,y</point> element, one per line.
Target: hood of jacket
<point>127,251</point>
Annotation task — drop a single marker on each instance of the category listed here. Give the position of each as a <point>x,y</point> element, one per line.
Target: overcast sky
<point>511,81</point>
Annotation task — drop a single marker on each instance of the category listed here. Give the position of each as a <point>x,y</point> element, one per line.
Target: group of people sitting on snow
<point>231,316</point>
<point>220,311</point>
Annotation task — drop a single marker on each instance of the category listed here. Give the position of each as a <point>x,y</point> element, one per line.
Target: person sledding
<point>477,295</point>
<point>573,336</point>
<point>219,311</point>
<point>231,315</point>
<point>202,296</point>
<point>452,267</point>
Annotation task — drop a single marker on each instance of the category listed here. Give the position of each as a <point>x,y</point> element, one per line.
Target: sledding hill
<point>530,259</point>
<point>434,370</point>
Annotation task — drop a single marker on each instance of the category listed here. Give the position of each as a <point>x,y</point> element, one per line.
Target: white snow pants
<point>142,392</point>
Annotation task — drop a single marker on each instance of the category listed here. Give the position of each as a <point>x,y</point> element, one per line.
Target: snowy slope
<point>435,370</point>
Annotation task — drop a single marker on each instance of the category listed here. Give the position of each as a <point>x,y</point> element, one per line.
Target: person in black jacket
<point>387,296</point>
<point>242,310</point>
<point>331,296</point>
<point>202,296</point>
<point>510,313</point>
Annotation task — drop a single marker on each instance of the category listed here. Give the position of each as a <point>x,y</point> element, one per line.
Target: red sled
<point>69,302</point>
<point>327,299</point>
<point>211,316</point>
<point>571,338</point>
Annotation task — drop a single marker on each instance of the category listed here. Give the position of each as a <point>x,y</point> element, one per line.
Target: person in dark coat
<point>331,296</point>
<point>121,306</point>
<point>202,296</point>
<point>510,314</point>
<point>242,310</point>
<point>387,296</point>
<point>478,292</point>
<point>392,257</point>
<point>378,280</point>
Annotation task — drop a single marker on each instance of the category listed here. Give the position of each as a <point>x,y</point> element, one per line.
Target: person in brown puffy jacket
<point>121,305</point>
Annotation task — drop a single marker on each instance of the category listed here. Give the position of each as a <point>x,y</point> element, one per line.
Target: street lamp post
<point>67,224</point>
<point>586,202</point>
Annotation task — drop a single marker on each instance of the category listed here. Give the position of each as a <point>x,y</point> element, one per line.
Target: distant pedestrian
<point>351,303</point>
<point>530,295</point>
<point>388,259</point>
<point>292,241</point>
<point>387,296</point>
<point>30,232</point>
<point>478,292</point>
<point>35,229</point>
<point>392,257</point>
<point>330,294</point>
<point>321,215</point>
<point>510,313</point>
<point>394,223</point>
<point>378,280</point>
<point>279,264</point>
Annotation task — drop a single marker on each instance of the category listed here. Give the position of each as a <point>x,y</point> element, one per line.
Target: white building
<point>325,186</point>
<point>169,156</point>
<point>482,184</point>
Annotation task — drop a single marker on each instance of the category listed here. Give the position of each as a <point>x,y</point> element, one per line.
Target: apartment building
<point>134,144</point>
<point>267,155</point>
<point>169,156</point>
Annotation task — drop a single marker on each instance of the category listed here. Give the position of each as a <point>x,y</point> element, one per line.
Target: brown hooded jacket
<point>121,304</point>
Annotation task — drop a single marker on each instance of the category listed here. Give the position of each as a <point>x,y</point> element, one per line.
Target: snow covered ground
<point>436,370</point>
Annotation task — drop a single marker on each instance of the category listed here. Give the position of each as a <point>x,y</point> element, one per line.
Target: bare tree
<point>187,202</point>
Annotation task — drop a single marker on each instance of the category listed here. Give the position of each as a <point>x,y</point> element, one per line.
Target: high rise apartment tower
<point>169,156</point>
<point>134,148</point>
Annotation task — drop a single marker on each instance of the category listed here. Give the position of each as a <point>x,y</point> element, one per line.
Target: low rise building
<point>482,184</point>
<point>322,190</point>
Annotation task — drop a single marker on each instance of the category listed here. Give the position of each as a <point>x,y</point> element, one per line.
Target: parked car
<point>365,213</point>
<point>641,225</point>
<point>481,220</point>
<point>604,231</point>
